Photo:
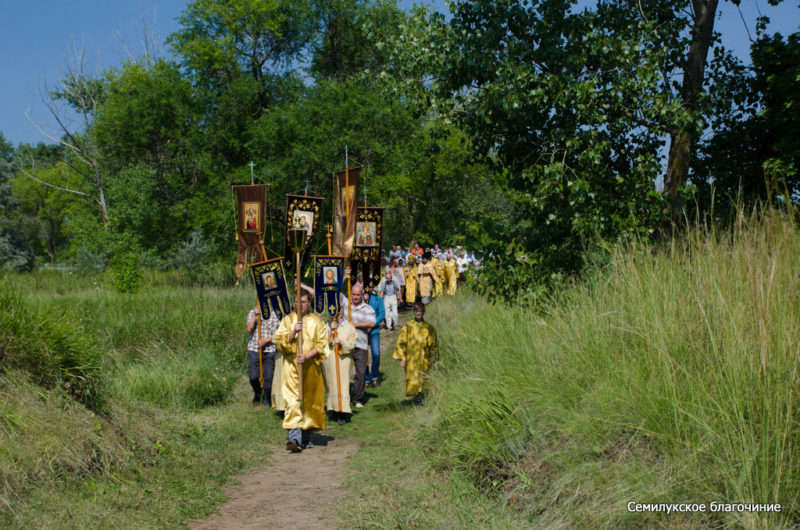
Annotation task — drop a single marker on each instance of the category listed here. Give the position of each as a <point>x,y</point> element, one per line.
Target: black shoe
<point>342,420</point>
<point>293,446</point>
<point>308,445</point>
<point>256,400</point>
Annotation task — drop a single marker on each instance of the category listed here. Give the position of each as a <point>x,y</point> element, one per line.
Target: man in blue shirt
<point>376,303</point>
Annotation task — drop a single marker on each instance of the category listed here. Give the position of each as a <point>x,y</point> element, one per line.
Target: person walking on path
<point>450,274</point>
<point>307,412</point>
<point>410,271</point>
<point>438,287</point>
<point>426,278</point>
<point>417,349</point>
<point>388,289</point>
<point>264,369</point>
<point>376,303</point>
<point>362,317</point>
<point>338,400</point>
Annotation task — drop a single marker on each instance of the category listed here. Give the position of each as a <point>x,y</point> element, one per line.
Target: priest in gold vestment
<point>411,280</point>
<point>450,275</point>
<point>417,348</point>
<point>426,278</point>
<point>306,412</point>
<point>438,287</point>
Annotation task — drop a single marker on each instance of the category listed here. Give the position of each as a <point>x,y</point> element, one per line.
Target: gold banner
<point>251,216</point>
<point>346,203</point>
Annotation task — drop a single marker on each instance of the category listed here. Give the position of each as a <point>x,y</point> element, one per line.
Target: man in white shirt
<point>388,289</point>
<point>363,319</point>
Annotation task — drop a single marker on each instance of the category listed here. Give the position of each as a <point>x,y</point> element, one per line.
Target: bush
<point>53,350</point>
<point>15,254</point>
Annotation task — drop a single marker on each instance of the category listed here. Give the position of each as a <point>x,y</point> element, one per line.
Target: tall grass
<point>671,378</point>
<point>53,350</point>
<point>158,359</point>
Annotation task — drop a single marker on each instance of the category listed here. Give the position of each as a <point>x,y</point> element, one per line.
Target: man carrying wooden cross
<point>307,411</point>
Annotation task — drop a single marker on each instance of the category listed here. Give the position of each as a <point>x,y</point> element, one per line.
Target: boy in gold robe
<point>306,412</point>
<point>417,348</point>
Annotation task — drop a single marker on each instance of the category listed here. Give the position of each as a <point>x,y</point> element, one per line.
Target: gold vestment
<point>411,284</point>
<point>426,277</point>
<point>418,345</point>
<point>451,276</point>
<point>347,335</point>
<point>315,335</point>
<point>438,288</point>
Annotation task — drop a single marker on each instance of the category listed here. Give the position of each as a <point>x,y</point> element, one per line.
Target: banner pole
<point>336,347</point>
<point>347,225</point>
<point>260,355</point>
<point>300,336</point>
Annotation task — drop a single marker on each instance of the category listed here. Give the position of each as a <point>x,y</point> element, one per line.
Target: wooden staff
<point>300,336</point>
<point>336,347</point>
<point>260,353</point>
<point>297,238</point>
<point>347,224</point>
<point>258,323</point>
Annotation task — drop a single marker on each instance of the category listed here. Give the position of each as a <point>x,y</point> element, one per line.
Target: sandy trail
<point>286,492</point>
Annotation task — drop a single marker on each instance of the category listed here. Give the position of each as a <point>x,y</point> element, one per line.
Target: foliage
<point>541,125</point>
<point>42,210</point>
<point>353,37</point>
<point>52,349</point>
<point>571,105</point>
<point>125,262</point>
<point>754,154</point>
<point>15,254</point>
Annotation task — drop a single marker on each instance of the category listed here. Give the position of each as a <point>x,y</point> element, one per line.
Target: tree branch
<point>52,185</point>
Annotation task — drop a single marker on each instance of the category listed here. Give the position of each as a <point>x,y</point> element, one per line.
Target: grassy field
<point>670,376</point>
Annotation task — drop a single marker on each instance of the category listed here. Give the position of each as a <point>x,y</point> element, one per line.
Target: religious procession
<point>312,361</point>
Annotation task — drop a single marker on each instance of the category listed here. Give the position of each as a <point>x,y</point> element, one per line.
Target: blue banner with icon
<point>270,282</point>
<point>328,280</point>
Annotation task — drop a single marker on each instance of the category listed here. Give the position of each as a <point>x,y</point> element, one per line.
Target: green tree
<point>352,36</point>
<point>754,153</point>
<point>570,104</point>
<point>42,210</point>
<point>15,253</point>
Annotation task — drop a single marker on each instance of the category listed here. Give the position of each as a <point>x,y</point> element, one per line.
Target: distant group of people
<point>421,274</point>
<point>335,361</point>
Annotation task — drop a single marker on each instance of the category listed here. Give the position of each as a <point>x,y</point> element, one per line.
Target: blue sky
<point>36,36</point>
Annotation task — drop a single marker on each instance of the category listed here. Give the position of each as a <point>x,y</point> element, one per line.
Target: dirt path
<point>276,495</point>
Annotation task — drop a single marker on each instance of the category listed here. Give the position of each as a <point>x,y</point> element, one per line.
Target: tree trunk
<point>681,142</point>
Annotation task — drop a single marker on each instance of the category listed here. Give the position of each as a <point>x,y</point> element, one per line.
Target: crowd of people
<point>339,360</point>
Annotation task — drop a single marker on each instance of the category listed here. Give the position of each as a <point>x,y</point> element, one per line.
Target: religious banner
<point>270,282</point>
<point>251,214</point>
<point>328,280</point>
<point>302,211</point>
<point>369,233</point>
<point>344,227</point>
